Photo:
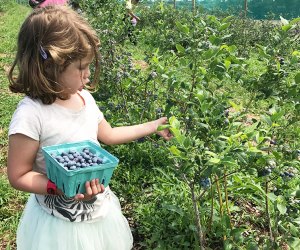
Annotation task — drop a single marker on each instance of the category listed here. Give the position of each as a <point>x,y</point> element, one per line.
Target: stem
<point>219,194</point>
<point>220,200</point>
<point>212,207</point>
<point>268,213</point>
<point>226,199</point>
<point>197,214</point>
<point>197,218</point>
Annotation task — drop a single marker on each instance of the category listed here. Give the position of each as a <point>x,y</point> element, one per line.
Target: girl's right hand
<point>92,188</point>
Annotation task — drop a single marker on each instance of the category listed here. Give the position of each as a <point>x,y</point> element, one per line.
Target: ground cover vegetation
<point>230,177</point>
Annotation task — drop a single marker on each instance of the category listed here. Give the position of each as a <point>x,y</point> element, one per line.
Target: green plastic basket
<point>72,182</point>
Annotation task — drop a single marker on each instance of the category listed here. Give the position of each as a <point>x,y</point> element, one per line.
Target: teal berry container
<point>72,182</point>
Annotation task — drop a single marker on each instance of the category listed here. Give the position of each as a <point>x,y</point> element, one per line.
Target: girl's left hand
<point>166,134</point>
<point>92,188</point>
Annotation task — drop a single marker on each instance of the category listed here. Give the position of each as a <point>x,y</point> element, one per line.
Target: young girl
<point>55,49</point>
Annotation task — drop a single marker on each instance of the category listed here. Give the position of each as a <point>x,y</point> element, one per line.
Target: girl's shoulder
<point>30,103</point>
<point>87,96</point>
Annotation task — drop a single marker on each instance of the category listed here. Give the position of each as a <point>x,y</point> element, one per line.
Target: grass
<point>11,200</point>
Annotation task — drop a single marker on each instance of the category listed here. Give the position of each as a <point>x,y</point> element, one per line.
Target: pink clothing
<point>52,2</point>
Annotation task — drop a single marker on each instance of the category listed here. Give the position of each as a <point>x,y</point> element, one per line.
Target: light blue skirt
<point>39,230</point>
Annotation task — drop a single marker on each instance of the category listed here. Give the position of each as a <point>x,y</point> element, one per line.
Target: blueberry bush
<point>230,87</point>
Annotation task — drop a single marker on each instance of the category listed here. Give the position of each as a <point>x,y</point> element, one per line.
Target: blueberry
<point>205,183</point>
<point>226,113</point>
<point>58,158</point>
<point>72,168</point>
<point>140,140</point>
<point>86,150</point>
<point>61,160</point>
<point>72,151</point>
<point>100,160</point>
<point>64,154</point>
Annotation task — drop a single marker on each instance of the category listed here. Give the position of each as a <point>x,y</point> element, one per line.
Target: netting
<point>257,9</point>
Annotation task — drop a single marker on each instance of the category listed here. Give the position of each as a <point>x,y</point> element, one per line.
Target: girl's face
<point>76,75</point>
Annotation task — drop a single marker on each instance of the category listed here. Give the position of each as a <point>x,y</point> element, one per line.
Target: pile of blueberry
<point>287,175</point>
<point>205,183</point>
<point>268,169</point>
<point>72,159</point>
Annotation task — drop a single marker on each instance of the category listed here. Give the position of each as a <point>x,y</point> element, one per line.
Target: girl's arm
<point>21,154</point>
<point>119,135</point>
<point>22,151</point>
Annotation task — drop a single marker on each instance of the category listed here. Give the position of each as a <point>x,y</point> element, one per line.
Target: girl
<point>55,49</point>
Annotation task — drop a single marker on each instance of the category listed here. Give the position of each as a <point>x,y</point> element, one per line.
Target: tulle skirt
<point>39,230</point>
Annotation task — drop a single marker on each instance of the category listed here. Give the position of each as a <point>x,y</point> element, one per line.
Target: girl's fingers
<point>92,188</point>
<point>88,189</point>
<point>79,197</point>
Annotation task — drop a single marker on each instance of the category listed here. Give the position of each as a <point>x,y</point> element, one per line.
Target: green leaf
<point>286,27</point>
<point>182,28</point>
<point>235,106</point>
<point>214,160</point>
<point>227,64</point>
<point>175,132</point>
<point>179,48</point>
<point>281,205</point>
<point>294,243</point>
<point>187,142</point>
<point>272,197</point>
<point>162,127</point>
<point>173,208</point>
<point>295,20</point>
<point>254,150</point>
<point>297,195</point>
<point>175,151</point>
<point>277,115</point>
<point>211,153</point>
<point>297,220</point>
<point>202,70</point>
<point>236,233</point>
<point>297,78</point>
<point>174,122</point>
<point>224,26</point>
<point>267,119</point>
<point>293,230</point>
<point>228,18</point>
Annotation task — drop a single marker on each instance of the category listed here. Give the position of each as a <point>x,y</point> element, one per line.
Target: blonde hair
<point>49,40</point>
